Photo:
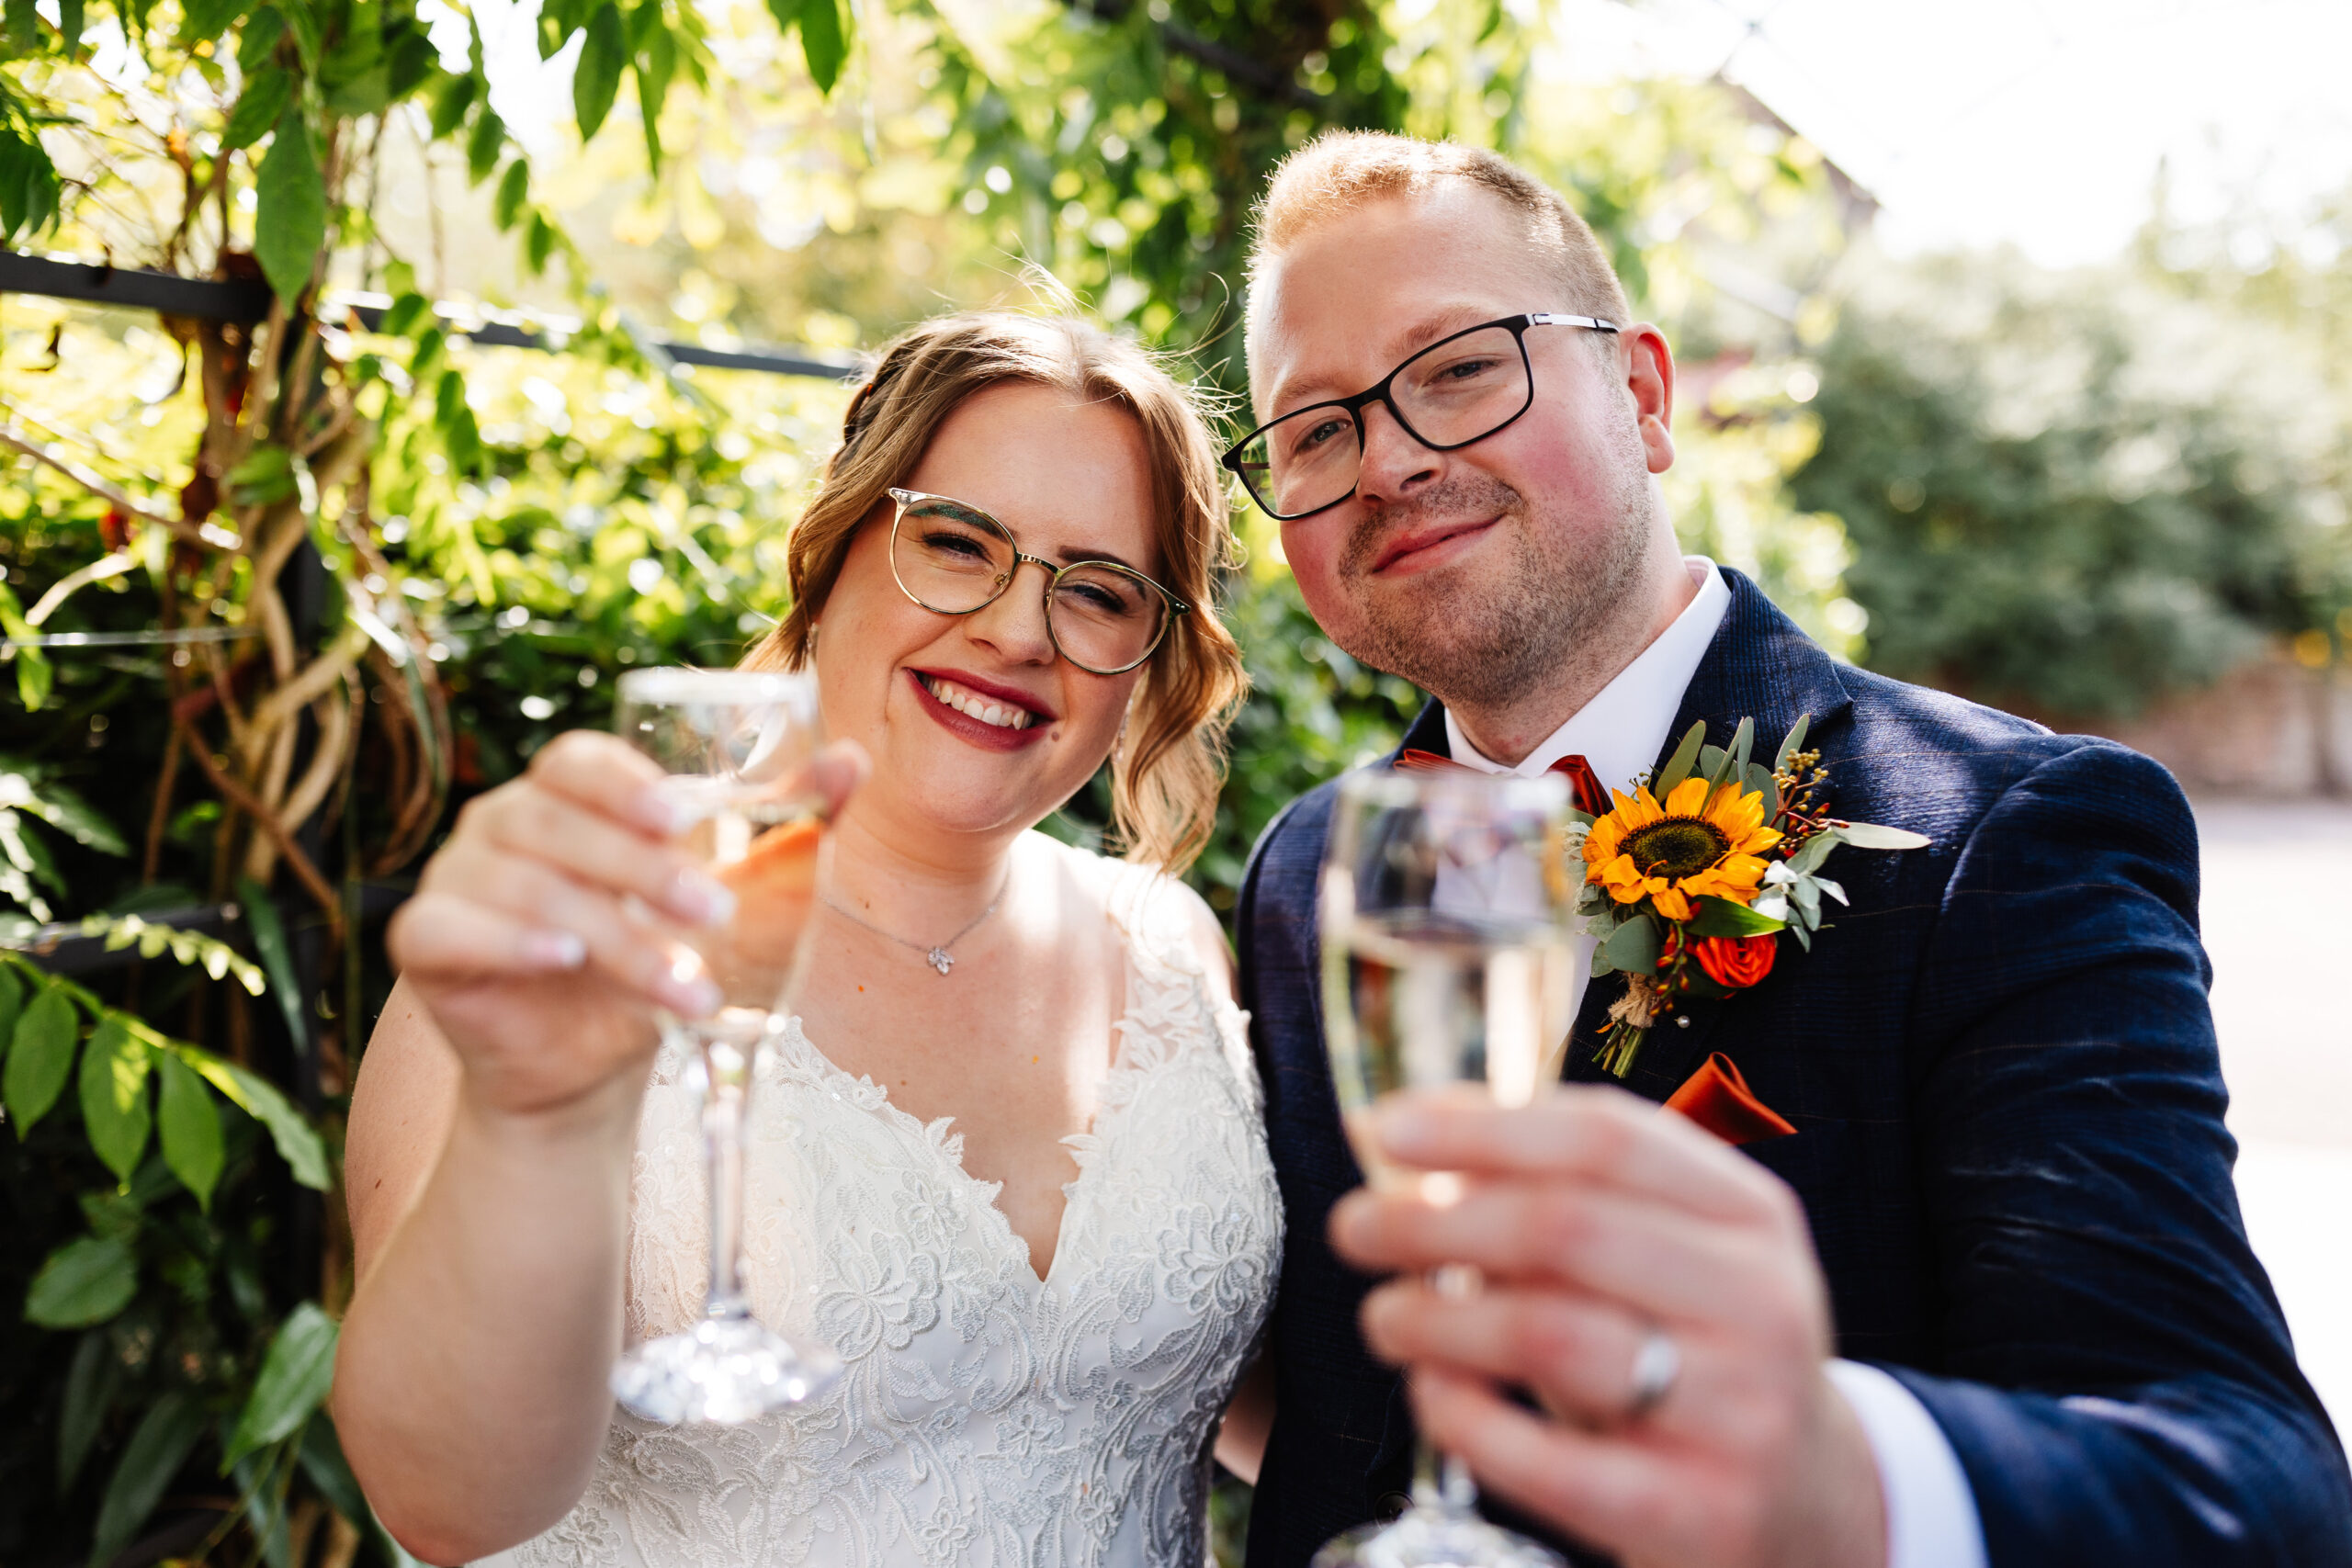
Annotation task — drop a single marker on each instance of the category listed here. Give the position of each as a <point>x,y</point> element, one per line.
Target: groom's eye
<point>1317,434</point>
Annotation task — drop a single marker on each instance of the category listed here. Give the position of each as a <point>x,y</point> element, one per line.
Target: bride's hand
<point>547,930</point>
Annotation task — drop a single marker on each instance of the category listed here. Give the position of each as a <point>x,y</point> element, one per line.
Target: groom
<point>1991,1302</point>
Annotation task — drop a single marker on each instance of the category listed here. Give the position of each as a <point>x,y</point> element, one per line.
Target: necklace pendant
<point>939,958</point>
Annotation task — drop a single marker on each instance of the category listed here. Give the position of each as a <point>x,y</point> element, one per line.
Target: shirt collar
<point>1622,730</point>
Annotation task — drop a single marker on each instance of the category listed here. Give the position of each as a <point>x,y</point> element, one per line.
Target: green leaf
<point>259,41</point>
<point>1816,849</point>
<point>452,97</point>
<point>152,1458</point>
<point>91,1379</point>
<point>189,1126</point>
<point>1635,945</point>
<point>71,17</point>
<point>34,676</point>
<point>1711,916</point>
<point>323,1463</point>
<point>259,106</point>
<point>115,1113</point>
<point>276,957</point>
<point>1871,836</point>
<point>1793,743</point>
<point>1760,779</point>
<point>303,23</point>
<point>297,1141</point>
<point>39,1058</point>
<point>657,62</point>
<point>86,1281</point>
<point>12,1004</point>
<point>411,59</point>
<point>266,475</point>
<point>1742,741</point>
<point>208,21</point>
<point>513,187</point>
<point>294,1378</point>
<point>484,143</point>
<point>403,315</point>
<point>597,76</point>
<point>1678,767</point>
<point>539,243</point>
<point>824,40</point>
<point>24,25</point>
<point>290,217</point>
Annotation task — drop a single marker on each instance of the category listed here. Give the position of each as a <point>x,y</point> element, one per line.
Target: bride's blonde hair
<point>1169,763</point>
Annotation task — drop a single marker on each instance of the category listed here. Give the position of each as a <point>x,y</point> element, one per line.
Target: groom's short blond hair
<point>1341,171</point>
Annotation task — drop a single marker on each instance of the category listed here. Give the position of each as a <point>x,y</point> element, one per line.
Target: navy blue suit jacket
<point>2002,1071</point>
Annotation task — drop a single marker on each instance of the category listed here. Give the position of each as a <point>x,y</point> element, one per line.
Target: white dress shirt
<point>1931,1519</point>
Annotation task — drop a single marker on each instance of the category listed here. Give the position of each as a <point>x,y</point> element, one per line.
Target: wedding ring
<point>1656,1365</point>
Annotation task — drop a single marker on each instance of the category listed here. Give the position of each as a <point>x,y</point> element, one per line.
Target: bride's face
<point>1068,477</point>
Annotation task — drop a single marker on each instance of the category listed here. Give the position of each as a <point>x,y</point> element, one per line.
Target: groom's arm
<point>2120,1387</point>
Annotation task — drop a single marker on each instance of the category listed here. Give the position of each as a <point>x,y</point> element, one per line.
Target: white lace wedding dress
<point>986,1418</point>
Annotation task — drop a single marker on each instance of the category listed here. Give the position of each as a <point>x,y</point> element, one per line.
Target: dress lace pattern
<point>986,1418</point>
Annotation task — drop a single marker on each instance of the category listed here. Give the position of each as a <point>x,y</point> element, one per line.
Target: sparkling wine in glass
<point>738,746</point>
<point>1447,958</point>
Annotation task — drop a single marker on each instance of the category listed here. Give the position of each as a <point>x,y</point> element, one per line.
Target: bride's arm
<point>470,1387</point>
<point>1241,1440</point>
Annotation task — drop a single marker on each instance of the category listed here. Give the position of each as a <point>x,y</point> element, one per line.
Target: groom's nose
<point>1394,464</point>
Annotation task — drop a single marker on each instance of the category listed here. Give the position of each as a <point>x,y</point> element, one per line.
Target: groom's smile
<point>1427,548</point>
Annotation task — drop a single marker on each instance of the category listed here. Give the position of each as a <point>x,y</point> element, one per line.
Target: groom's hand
<point>1595,1220</point>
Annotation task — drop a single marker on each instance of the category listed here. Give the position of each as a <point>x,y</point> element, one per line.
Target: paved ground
<point>2277,917</point>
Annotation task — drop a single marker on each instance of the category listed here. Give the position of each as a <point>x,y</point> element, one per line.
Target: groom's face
<point>1470,572</point>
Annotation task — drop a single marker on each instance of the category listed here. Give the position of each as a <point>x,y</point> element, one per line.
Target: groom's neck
<point>1506,731</point>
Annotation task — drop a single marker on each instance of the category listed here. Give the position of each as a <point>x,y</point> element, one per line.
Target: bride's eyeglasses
<point>953,558</point>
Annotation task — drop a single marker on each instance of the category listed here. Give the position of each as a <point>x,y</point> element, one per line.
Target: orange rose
<point>1736,962</point>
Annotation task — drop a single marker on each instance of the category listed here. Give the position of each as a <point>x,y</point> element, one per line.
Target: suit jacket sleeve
<point>2120,1387</point>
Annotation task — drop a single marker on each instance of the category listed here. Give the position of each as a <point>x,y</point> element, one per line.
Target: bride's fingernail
<point>659,808</point>
<point>689,998</point>
<point>702,898</point>
<point>554,950</point>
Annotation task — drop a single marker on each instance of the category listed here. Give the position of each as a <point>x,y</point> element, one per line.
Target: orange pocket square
<point>1719,1099</point>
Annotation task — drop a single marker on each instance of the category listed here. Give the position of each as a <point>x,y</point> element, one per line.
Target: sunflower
<point>1694,845</point>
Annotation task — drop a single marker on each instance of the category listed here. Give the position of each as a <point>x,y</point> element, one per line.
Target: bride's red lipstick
<point>964,726</point>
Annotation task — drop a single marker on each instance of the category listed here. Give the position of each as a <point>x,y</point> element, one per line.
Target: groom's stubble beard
<point>1483,643</point>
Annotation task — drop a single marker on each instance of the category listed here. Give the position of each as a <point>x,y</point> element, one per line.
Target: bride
<point>1046,1313</point>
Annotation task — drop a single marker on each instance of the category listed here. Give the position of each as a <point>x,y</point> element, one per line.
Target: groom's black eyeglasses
<point>1459,389</point>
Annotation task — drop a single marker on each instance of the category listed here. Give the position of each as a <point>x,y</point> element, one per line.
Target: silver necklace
<point>936,954</point>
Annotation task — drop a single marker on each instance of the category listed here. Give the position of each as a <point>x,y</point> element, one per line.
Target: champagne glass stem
<point>725,1080</point>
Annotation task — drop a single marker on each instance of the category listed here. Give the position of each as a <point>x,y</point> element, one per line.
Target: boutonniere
<point>1691,881</point>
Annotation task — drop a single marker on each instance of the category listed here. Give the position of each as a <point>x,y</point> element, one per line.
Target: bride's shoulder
<point>1147,903</point>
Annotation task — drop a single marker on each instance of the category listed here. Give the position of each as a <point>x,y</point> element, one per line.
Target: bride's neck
<point>915,876</point>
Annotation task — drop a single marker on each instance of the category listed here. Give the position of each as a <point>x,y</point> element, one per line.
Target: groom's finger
<point>1651,1256</point>
<point>1576,1353</point>
<point>1602,1489</point>
<point>1578,1132</point>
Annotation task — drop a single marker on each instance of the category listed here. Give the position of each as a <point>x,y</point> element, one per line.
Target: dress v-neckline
<point>984,1192</point>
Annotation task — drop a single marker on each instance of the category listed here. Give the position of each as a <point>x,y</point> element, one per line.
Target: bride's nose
<point>1013,623</point>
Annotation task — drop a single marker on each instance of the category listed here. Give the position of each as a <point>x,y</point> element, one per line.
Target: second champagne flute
<point>1443,906</point>
<point>738,745</point>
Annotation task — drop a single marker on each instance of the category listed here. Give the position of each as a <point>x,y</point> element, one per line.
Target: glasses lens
<point>1462,389</point>
<point>1103,618</point>
<point>1302,462</point>
<point>949,557</point>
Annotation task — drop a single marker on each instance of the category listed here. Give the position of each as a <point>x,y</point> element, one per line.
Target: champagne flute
<point>738,744</point>
<point>1447,957</point>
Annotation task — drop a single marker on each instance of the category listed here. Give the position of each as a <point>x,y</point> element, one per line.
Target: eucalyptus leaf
<point>1742,741</point>
<point>294,1378</point>
<point>1871,836</point>
<point>115,1112</point>
<point>1635,945</point>
<point>1833,889</point>
<point>1792,743</point>
<point>189,1126</point>
<point>153,1456</point>
<point>87,1281</point>
<point>1711,916</point>
<point>41,1058</point>
<point>1816,849</point>
<point>1760,778</point>
<point>1678,767</point>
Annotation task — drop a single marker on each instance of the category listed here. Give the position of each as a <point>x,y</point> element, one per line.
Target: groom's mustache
<point>1459,498</point>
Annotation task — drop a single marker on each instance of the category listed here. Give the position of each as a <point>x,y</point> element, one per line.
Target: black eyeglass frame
<point>1378,392</point>
<point>903,499</point>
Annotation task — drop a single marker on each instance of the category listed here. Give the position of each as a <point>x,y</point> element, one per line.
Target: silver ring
<point>1657,1366</point>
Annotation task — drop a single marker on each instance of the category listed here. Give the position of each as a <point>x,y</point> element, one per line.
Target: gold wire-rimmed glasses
<point>953,558</point>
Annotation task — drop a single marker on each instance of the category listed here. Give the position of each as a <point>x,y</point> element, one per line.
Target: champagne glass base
<point>1435,1537</point>
<point>723,1369</point>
